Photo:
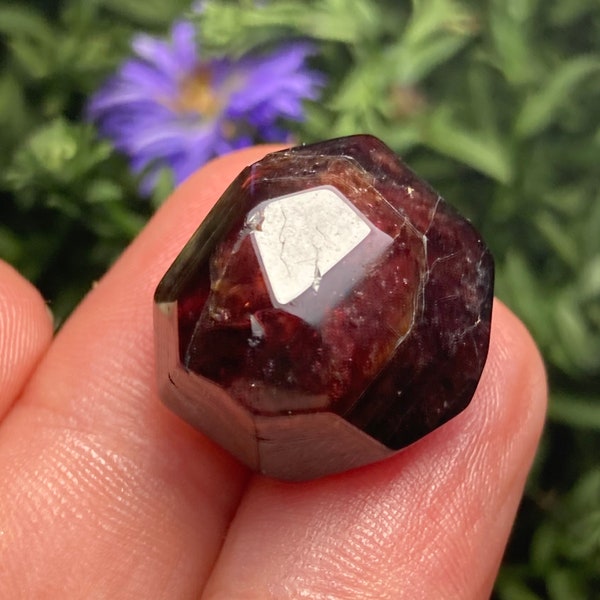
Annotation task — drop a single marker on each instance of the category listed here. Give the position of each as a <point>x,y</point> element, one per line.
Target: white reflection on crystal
<point>305,236</point>
<point>258,331</point>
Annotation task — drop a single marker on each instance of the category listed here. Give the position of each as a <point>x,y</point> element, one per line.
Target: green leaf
<point>362,92</point>
<point>435,32</point>
<point>164,186</point>
<point>518,287</point>
<point>478,150</point>
<point>235,28</point>
<point>542,108</point>
<point>414,63</point>
<point>589,281</point>
<point>564,14</point>
<point>434,17</point>
<point>13,111</point>
<point>115,220</point>
<point>36,59</point>
<point>348,21</point>
<point>543,553</point>
<point>575,410</point>
<point>510,586</point>
<point>21,22</point>
<point>581,519</point>
<point>563,583</point>
<point>148,12</point>
<point>11,247</point>
<point>522,11</point>
<point>575,348</point>
<point>512,45</point>
<point>102,191</point>
<point>559,238</point>
<point>59,154</point>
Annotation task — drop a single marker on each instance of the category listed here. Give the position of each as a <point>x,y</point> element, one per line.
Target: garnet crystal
<point>331,309</point>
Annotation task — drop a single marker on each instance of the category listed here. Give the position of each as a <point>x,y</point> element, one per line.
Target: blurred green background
<point>495,102</point>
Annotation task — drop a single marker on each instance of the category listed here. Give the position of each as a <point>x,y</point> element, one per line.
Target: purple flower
<point>167,107</point>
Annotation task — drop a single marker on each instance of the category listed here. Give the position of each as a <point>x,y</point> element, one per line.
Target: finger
<point>25,333</point>
<point>431,522</point>
<point>102,488</point>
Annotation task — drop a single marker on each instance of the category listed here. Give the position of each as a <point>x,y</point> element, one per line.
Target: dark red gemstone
<point>331,309</point>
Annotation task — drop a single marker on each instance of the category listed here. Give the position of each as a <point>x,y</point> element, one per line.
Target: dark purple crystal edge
<point>439,364</point>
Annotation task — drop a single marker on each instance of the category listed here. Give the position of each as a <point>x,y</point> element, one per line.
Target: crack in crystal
<point>433,215</point>
<point>282,240</point>
<point>441,259</point>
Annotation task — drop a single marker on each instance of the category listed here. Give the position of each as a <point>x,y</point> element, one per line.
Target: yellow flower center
<point>196,94</point>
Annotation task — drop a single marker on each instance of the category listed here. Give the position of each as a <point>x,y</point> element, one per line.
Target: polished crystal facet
<point>331,309</point>
<point>301,237</point>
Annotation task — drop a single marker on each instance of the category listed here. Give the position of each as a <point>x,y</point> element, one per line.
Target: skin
<point>106,494</point>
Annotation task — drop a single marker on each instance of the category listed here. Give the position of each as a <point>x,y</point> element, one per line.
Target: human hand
<point>106,494</point>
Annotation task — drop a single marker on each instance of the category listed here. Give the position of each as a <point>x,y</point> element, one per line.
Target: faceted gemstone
<point>330,310</point>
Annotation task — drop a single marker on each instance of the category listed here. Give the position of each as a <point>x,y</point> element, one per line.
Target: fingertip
<point>517,373</point>
<point>26,327</point>
<point>430,522</point>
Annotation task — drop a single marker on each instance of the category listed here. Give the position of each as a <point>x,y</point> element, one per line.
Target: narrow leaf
<point>543,108</point>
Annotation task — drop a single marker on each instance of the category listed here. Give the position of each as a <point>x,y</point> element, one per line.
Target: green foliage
<point>496,102</point>
<point>61,187</point>
<point>565,549</point>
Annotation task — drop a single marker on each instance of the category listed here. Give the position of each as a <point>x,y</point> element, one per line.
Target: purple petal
<point>138,107</point>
